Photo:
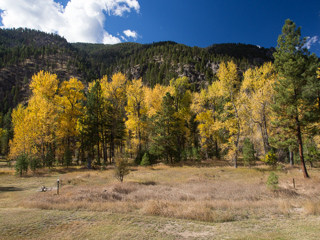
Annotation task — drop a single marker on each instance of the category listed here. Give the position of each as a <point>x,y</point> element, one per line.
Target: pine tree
<point>248,152</point>
<point>94,121</point>
<point>294,107</point>
<point>115,93</point>
<point>166,131</point>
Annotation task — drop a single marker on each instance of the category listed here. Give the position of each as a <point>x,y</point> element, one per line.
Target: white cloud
<point>131,34</point>
<point>79,21</point>
<point>311,41</point>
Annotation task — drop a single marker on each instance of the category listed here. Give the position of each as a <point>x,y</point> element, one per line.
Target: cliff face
<point>24,52</point>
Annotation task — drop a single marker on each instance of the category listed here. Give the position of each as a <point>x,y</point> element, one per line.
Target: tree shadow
<point>10,189</point>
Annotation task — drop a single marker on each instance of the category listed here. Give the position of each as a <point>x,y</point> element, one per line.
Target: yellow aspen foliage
<point>256,96</point>
<point>229,84</point>
<point>115,91</point>
<point>153,98</point>
<point>206,99</point>
<point>229,80</point>
<point>182,95</point>
<point>44,115</point>
<point>205,105</point>
<point>206,126</point>
<point>22,140</point>
<point>34,126</point>
<point>69,108</point>
<point>44,84</point>
<point>136,111</point>
<point>182,101</point>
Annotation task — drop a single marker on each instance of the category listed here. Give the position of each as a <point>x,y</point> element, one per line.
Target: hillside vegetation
<point>160,102</point>
<point>24,52</point>
<point>217,142</point>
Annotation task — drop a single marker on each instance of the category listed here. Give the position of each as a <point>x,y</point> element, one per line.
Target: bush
<point>271,159</point>
<point>49,158</point>
<point>248,153</point>
<point>196,154</point>
<point>67,157</point>
<point>145,160</point>
<point>139,157</point>
<point>272,181</point>
<point>122,167</point>
<point>34,163</point>
<point>311,152</point>
<point>22,164</point>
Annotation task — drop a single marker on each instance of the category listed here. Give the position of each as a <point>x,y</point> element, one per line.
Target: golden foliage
<point>136,110</point>
<point>69,107</point>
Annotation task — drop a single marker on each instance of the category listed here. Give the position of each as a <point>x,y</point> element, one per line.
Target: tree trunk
<point>264,135</point>
<point>291,158</point>
<point>110,155</point>
<point>263,139</point>
<point>304,169</point>
<point>238,136</point>
<point>89,162</point>
<point>112,147</point>
<point>98,153</point>
<point>105,154</point>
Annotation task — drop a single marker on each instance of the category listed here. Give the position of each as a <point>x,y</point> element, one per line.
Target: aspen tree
<point>256,95</point>
<point>229,84</point>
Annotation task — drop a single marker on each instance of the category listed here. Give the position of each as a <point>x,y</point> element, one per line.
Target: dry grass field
<point>162,202</point>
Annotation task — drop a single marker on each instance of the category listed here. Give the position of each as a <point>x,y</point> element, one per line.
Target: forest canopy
<point>161,116</point>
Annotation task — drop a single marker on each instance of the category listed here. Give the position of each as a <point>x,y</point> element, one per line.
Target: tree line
<point>269,109</point>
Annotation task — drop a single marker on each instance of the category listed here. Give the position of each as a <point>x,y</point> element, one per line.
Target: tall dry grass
<point>205,194</point>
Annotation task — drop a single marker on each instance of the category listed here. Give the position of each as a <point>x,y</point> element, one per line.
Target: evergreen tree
<point>67,157</point>
<point>22,164</point>
<point>166,131</point>
<point>294,105</point>
<point>94,121</point>
<point>248,153</point>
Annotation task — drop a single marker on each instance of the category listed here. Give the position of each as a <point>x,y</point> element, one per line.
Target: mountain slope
<point>23,52</point>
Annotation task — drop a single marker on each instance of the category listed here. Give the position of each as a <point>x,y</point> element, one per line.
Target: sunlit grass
<point>194,193</point>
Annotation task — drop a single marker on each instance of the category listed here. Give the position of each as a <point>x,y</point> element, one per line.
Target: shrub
<point>139,157</point>
<point>22,164</point>
<point>196,154</point>
<point>271,159</point>
<point>145,160</point>
<point>34,163</point>
<point>49,158</point>
<point>311,152</point>
<point>67,157</point>
<point>248,153</point>
<point>272,181</point>
<point>122,167</point>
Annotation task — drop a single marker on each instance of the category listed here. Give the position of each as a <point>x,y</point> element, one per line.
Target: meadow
<point>210,200</point>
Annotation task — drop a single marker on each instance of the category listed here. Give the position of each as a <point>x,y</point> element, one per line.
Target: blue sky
<point>194,23</point>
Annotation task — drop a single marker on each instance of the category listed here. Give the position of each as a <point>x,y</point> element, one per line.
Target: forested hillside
<point>24,52</point>
<point>88,103</point>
